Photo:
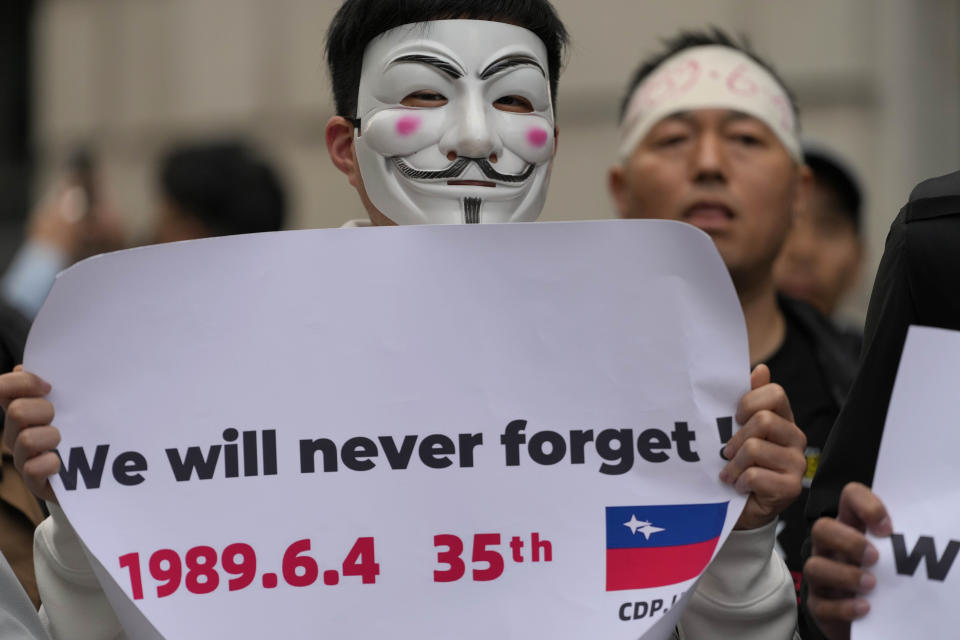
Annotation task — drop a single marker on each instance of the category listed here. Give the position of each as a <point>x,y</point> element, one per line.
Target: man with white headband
<point>445,115</point>
<point>709,136</point>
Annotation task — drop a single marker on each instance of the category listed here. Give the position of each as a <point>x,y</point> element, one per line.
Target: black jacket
<point>917,283</point>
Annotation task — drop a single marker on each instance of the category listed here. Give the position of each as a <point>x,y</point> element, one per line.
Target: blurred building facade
<point>879,80</point>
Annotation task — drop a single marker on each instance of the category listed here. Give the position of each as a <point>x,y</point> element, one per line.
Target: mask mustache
<point>457,169</point>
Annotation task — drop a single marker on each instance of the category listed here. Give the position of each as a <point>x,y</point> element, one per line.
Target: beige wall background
<point>879,80</point>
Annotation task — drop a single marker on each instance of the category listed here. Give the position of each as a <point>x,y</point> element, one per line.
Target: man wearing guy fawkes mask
<point>446,116</point>
<point>455,123</point>
<point>457,113</point>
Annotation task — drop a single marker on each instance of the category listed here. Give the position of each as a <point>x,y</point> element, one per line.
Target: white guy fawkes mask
<point>476,140</point>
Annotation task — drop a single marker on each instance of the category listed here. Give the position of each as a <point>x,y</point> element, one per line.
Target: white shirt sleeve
<point>74,605</point>
<point>746,593</point>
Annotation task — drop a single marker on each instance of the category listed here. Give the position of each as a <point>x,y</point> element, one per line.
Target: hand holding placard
<point>838,573</point>
<point>22,397</point>
<point>766,455</point>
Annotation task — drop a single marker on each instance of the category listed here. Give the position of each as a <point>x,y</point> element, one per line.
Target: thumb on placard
<point>759,376</point>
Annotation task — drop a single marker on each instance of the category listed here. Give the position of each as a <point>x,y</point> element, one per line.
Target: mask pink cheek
<point>537,137</point>
<point>407,125</point>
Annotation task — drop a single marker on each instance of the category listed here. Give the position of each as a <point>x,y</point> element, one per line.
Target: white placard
<point>918,582</point>
<point>376,398</point>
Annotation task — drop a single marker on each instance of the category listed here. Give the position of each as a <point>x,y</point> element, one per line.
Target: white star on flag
<point>642,526</point>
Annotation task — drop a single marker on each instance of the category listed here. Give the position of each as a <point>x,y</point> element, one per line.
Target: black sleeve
<point>850,453</point>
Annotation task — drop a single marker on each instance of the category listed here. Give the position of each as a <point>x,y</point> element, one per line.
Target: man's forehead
<point>714,115</point>
<point>471,45</point>
<point>709,77</point>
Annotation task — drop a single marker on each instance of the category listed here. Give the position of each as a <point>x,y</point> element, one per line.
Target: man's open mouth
<point>710,216</point>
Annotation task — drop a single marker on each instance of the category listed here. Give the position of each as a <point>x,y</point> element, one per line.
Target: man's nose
<point>708,161</point>
<point>472,135</point>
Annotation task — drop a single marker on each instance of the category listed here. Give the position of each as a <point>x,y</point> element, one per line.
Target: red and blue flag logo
<point>660,545</point>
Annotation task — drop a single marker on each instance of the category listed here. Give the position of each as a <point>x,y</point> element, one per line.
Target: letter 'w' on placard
<point>926,549</point>
<point>656,546</point>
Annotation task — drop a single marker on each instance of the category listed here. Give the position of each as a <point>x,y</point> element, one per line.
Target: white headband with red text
<point>709,77</point>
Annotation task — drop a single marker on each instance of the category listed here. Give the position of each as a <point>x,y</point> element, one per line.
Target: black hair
<point>688,39</point>
<point>226,185</point>
<point>834,175</point>
<point>360,21</point>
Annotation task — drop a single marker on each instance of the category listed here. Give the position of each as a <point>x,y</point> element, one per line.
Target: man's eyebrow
<point>508,62</point>
<point>439,64</point>
<point>678,116</point>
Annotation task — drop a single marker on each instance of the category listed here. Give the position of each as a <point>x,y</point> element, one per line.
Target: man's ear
<point>339,135</point>
<point>617,187</point>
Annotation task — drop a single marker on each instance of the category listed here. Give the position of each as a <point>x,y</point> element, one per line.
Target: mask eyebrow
<point>508,62</point>
<point>437,63</point>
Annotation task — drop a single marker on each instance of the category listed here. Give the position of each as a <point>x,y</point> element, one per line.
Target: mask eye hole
<point>513,104</point>
<point>426,99</point>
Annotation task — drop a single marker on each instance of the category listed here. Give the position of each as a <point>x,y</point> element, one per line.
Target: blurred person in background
<point>204,190</point>
<point>207,189</point>
<point>820,260</point>
<point>710,137</point>
<point>218,189</point>
<point>71,222</point>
